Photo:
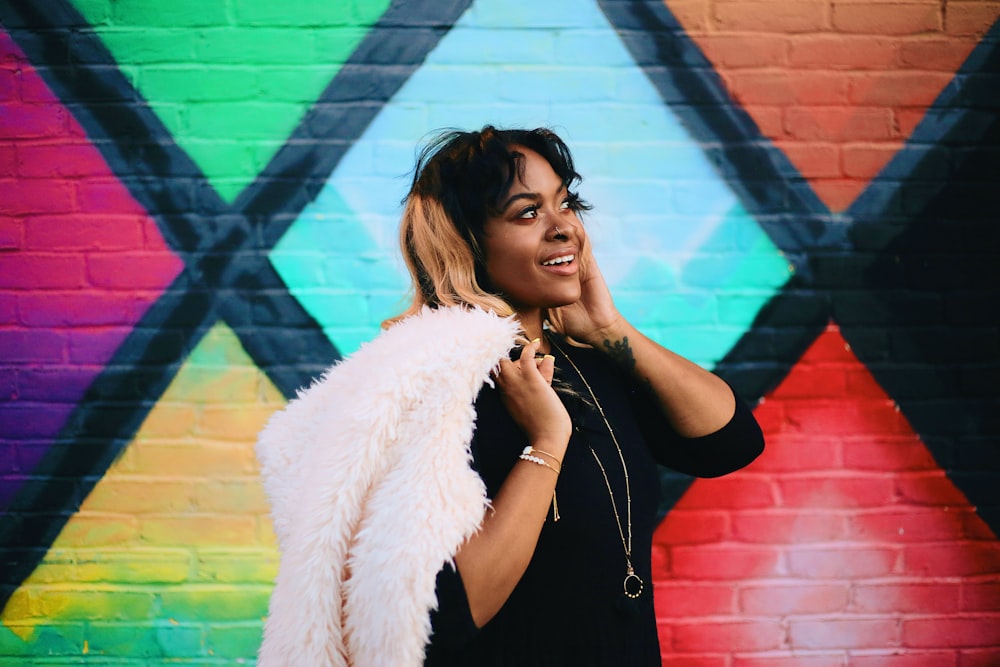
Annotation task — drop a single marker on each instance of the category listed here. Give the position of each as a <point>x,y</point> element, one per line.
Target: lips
<point>562,261</point>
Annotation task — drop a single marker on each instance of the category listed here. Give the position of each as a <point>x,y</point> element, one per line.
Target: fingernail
<point>549,356</point>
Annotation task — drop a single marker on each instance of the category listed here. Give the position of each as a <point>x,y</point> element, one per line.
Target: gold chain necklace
<point>632,585</point>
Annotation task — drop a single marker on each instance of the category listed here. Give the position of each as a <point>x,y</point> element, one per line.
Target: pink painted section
<point>80,263</point>
<point>844,541</point>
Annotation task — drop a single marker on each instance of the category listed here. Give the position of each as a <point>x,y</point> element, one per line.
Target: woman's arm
<point>695,401</point>
<point>492,561</point>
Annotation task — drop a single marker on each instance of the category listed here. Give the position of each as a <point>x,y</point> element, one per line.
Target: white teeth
<point>559,260</point>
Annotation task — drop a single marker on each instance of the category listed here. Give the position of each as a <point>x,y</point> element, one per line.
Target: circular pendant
<point>632,585</point>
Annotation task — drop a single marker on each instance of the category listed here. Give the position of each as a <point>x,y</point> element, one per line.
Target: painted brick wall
<point>198,204</point>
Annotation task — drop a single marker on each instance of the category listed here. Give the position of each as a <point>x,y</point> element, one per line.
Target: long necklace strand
<point>631,578</point>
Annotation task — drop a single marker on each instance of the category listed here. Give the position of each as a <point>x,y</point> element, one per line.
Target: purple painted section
<point>82,272</point>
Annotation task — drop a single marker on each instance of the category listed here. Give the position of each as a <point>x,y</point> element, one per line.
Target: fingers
<point>523,367</point>
<point>547,367</point>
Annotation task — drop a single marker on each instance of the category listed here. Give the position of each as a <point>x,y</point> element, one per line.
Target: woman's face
<point>533,246</point>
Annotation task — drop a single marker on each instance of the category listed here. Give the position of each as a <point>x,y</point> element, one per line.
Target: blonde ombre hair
<point>459,181</point>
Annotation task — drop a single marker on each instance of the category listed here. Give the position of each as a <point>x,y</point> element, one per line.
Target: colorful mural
<point>198,210</point>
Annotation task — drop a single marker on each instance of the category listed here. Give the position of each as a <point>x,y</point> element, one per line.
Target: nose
<point>560,233</point>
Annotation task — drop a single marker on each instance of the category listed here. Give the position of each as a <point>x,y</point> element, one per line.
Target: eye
<point>571,203</point>
<point>528,213</point>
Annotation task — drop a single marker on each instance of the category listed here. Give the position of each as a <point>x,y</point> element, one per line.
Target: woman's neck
<point>531,322</point>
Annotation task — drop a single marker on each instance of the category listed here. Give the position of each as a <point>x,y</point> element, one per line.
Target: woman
<point>477,486</point>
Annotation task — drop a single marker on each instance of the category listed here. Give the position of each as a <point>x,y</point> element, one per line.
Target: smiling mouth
<point>555,261</point>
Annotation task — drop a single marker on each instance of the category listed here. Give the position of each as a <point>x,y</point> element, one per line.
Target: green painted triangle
<point>231,80</point>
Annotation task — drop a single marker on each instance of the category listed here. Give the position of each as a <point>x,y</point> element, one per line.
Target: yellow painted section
<point>179,520</point>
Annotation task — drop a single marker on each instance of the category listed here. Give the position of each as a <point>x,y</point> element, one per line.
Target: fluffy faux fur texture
<point>371,491</point>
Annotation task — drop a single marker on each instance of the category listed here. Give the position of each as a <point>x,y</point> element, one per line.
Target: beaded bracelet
<point>531,450</point>
<point>528,455</point>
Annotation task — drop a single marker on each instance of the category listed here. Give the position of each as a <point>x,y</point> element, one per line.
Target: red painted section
<point>844,542</point>
<point>838,86</point>
<point>76,271</point>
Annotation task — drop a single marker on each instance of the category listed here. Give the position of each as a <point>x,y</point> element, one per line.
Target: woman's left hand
<point>594,316</point>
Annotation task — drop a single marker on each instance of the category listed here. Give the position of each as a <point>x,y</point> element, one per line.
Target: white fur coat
<point>371,491</point>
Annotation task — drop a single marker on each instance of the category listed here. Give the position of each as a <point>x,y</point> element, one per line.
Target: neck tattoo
<point>632,584</point>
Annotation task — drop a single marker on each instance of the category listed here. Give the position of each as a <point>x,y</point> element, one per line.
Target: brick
<point>196,459</point>
<point>35,347</point>
<point>940,632</point>
<point>905,658</point>
<point>866,161</point>
<point>197,530</point>
<point>843,633</point>
<point>842,562</point>
<point>231,496</point>
<point>233,423</point>
<point>76,309</point>
<point>698,526</point>
<point>782,527</point>
<point>134,270</point>
<point>36,196</point>
<point>839,124</point>
<point>931,488</point>
<point>60,160</point>
<point>215,603</point>
<point>33,121</point>
<point>93,529</point>
<point>836,492</point>
<point>770,120</point>
<point>737,52</point>
<point>133,566</point>
<point>169,420</point>
<point>887,18</point>
<point>140,495</point>
<point>843,52</point>
<point>798,452</point>
<point>234,641</point>
<point>813,160</point>
<point>978,595</point>
<point>972,18</point>
<point>955,559</point>
<point>978,657</point>
<point>94,345</point>
<point>181,640</point>
<point>95,194</point>
<point>11,233</point>
<point>724,562</point>
<point>775,16</point>
<point>896,89</point>
<point>907,524</point>
<point>82,232</point>
<point>765,88</point>
<point>943,55</point>
<point>236,566</point>
<point>795,599</point>
<point>694,15</point>
<point>135,640</point>
<point>797,659</point>
<point>679,600</point>
<point>729,493</point>
<point>904,597</point>
<point>736,636</point>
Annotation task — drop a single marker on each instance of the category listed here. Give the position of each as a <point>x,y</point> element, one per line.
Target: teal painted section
<point>670,235</point>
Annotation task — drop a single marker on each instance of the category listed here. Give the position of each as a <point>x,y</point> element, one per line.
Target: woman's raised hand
<point>590,319</point>
<point>526,390</point>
